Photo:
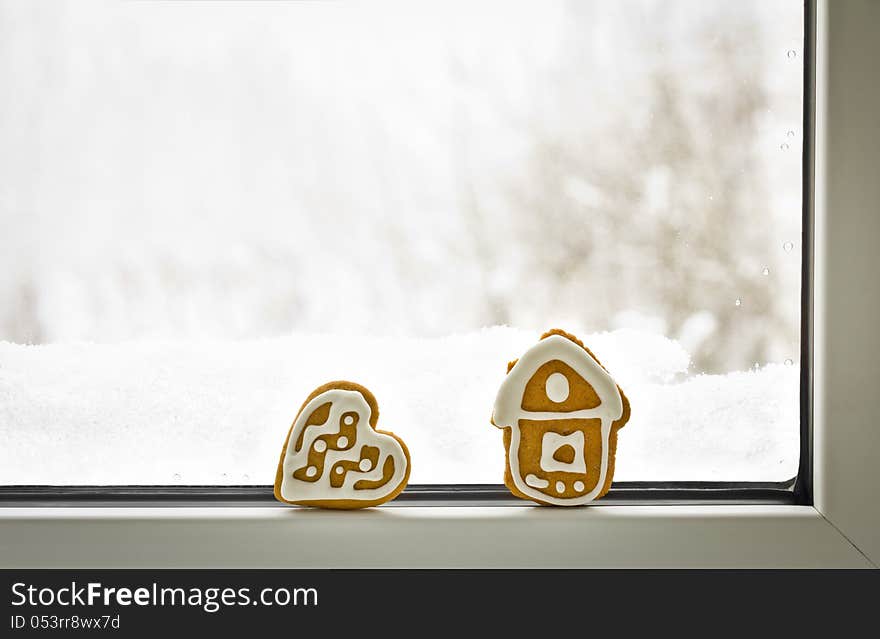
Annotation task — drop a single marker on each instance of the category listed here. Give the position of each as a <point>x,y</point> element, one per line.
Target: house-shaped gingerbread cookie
<point>560,411</point>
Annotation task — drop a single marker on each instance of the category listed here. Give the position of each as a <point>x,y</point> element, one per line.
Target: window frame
<point>797,490</point>
<point>834,523</point>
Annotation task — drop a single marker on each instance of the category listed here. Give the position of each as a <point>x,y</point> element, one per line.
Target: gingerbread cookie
<point>334,457</point>
<point>560,411</point>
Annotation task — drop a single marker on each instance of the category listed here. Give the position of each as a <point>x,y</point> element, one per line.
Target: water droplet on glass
<point>176,476</point>
<point>792,54</point>
<point>783,146</point>
<point>789,362</point>
<point>788,246</point>
<point>738,302</point>
<point>765,271</point>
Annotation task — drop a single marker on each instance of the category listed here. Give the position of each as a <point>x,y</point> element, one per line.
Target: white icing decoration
<point>320,446</point>
<point>342,442</point>
<point>342,401</point>
<point>560,487</point>
<point>553,442</point>
<point>579,486</point>
<point>365,465</point>
<point>339,470</point>
<point>348,420</point>
<point>311,471</point>
<point>556,387</point>
<point>536,482</point>
<point>508,408</point>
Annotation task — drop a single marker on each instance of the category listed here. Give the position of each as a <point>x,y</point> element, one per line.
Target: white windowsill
<point>424,536</point>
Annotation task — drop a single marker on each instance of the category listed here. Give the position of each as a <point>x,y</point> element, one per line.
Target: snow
<point>213,412</point>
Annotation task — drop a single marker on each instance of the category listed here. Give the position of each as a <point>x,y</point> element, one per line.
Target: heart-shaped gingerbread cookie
<point>334,457</point>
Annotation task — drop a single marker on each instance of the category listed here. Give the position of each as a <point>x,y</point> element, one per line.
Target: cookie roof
<point>555,346</point>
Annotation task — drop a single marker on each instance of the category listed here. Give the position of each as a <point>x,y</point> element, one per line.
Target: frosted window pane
<point>209,209</point>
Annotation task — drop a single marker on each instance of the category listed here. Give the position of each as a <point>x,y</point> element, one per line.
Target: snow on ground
<point>217,412</point>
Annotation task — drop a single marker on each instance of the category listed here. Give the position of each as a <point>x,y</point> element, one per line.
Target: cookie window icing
<point>560,410</point>
<point>335,458</point>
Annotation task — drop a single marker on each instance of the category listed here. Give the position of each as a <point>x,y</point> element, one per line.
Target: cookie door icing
<point>560,411</point>
<point>335,458</point>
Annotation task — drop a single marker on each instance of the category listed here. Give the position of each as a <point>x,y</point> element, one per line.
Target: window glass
<point>209,209</point>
